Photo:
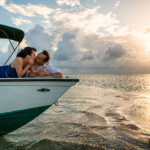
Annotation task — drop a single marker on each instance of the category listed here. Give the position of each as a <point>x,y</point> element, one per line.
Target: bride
<point>21,64</point>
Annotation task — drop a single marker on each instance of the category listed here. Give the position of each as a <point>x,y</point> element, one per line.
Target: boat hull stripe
<point>11,121</point>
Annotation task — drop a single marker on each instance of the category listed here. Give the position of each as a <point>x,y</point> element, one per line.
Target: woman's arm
<point>18,65</point>
<point>32,69</point>
<point>33,72</point>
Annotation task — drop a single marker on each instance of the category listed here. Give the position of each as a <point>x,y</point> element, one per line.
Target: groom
<point>43,67</point>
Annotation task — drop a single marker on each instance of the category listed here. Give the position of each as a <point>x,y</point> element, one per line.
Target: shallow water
<point>100,112</point>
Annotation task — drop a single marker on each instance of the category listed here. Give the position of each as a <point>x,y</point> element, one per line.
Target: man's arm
<point>44,74</point>
<point>52,71</point>
<point>33,74</point>
<point>55,75</point>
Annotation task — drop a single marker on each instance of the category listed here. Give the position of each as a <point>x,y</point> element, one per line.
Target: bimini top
<point>11,33</point>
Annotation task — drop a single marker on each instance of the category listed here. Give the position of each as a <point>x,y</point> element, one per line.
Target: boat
<point>24,99</point>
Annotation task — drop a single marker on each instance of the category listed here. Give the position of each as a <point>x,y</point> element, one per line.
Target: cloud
<point>86,40</point>
<point>117,3</point>
<point>2,2</point>
<point>71,3</point>
<point>47,22</point>
<point>89,20</point>
<point>82,39</point>
<point>67,49</point>
<point>100,54</point>
<point>147,30</point>
<point>6,50</point>
<point>88,55</point>
<point>19,21</point>
<point>37,37</point>
<point>93,41</point>
<point>27,10</point>
<point>114,52</point>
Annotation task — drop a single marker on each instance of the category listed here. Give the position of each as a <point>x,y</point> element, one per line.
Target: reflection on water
<point>131,83</point>
<point>100,112</point>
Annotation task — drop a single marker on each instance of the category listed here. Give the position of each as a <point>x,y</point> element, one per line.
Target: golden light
<point>147,47</point>
<point>147,40</point>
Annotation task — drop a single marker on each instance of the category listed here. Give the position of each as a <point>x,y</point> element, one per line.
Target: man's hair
<point>47,55</point>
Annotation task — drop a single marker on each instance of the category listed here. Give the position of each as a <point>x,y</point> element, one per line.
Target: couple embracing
<point>27,65</point>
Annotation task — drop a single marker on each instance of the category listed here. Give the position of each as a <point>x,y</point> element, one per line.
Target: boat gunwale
<point>38,79</point>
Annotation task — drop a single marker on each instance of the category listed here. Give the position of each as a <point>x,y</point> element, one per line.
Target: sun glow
<point>147,44</point>
<point>146,41</point>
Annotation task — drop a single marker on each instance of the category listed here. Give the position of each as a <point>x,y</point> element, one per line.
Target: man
<point>43,67</point>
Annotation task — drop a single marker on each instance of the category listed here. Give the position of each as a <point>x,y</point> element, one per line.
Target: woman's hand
<point>31,60</point>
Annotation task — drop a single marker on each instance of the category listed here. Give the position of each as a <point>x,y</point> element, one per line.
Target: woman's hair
<point>47,55</point>
<point>26,51</point>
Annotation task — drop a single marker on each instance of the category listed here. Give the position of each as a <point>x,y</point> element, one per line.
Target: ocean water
<point>101,112</point>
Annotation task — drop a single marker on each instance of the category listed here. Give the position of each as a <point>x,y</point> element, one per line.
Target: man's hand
<point>43,73</point>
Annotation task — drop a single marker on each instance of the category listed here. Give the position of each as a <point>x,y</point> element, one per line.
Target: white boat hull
<point>24,99</point>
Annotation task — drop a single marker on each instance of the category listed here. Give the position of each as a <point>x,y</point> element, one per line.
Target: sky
<point>83,36</point>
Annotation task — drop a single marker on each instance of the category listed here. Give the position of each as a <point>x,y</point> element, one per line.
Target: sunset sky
<point>84,36</point>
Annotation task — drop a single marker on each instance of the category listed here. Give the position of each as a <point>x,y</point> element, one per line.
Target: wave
<point>47,144</point>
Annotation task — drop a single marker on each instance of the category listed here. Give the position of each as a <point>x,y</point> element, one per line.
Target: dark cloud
<point>87,56</point>
<point>76,51</point>
<point>92,53</point>
<point>114,52</point>
<point>67,48</point>
<point>40,39</point>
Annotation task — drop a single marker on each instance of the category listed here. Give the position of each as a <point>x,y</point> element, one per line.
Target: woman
<point>21,64</point>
